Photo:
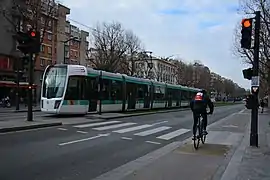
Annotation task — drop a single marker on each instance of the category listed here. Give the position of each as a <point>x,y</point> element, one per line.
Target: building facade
<point>52,24</point>
<point>156,68</point>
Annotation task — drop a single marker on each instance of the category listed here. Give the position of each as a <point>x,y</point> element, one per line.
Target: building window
<point>49,50</point>
<point>49,37</point>
<point>42,20</point>
<point>42,48</point>
<point>67,29</point>
<point>42,62</point>
<point>49,23</point>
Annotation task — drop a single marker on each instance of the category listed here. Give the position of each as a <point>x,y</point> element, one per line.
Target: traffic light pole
<point>30,84</point>
<point>254,112</point>
<point>17,84</point>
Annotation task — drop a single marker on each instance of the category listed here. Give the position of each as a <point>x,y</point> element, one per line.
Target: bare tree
<point>134,47</point>
<point>247,7</point>
<point>183,73</point>
<point>35,14</point>
<point>110,46</point>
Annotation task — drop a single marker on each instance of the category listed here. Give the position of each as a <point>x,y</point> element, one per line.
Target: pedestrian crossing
<point>160,131</point>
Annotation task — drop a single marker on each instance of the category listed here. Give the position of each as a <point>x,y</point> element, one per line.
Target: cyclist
<point>198,106</point>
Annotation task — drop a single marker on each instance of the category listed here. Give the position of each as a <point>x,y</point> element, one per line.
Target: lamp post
<point>66,41</point>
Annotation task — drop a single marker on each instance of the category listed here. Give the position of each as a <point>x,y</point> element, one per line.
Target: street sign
<point>255,81</point>
<point>255,89</point>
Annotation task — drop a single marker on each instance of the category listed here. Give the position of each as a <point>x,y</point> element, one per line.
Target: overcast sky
<point>191,29</point>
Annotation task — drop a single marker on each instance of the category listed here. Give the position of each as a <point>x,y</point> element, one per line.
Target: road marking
<point>126,138</point>
<point>241,111</point>
<point>62,129</point>
<point>95,124</point>
<point>83,132</point>
<point>159,123</point>
<point>113,126</point>
<point>230,126</point>
<point>81,140</point>
<point>152,131</point>
<point>152,142</point>
<point>133,128</point>
<point>173,134</point>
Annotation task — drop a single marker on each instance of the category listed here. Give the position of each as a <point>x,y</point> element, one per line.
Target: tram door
<point>131,95</point>
<point>169,96</point>
<point>146,96</point>
<point>92,93</point>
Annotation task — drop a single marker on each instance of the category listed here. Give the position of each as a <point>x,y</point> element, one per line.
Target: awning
<point>13,84</point>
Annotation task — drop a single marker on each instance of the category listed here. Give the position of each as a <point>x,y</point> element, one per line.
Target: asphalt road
<point>85,151</point>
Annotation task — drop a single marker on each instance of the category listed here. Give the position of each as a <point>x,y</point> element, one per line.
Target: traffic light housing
<point>35,41</point>
<point>248,73</point>
<point>250,101</point>
<point>28,42</point>
<point>246,33</point>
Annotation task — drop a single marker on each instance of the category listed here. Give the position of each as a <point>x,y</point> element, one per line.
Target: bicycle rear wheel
<point>196,141</point>
<point>203,137</point>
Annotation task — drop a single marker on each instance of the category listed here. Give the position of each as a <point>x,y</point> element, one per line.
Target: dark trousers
<point>196,116</point>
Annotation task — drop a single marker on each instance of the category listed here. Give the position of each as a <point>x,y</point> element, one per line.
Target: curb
<point>229,169</point>
<point>141,114</point>
<point>18,111</point>
<point>27,127</point>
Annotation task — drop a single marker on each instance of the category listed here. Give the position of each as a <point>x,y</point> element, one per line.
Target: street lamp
<point>66,41</point>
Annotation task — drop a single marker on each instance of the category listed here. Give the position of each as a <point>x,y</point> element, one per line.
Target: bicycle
<point>200,136</point>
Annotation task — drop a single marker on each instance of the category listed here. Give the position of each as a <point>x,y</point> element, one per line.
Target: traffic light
<point>28,42</point>
<point>250,101</point>
<point>248,73</point>
<point>246,33</point>
<point>25,62</point>
<point>35,41</point>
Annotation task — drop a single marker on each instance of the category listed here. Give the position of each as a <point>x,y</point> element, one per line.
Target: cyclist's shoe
<point>194,138</point>
<point>205,133</point>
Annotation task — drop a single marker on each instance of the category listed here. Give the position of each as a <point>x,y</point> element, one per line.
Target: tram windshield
<point>54,82</point>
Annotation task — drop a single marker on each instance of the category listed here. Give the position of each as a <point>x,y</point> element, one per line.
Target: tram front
<point>53,88</point>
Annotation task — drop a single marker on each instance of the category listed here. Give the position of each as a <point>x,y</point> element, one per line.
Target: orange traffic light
<point>246,23</point>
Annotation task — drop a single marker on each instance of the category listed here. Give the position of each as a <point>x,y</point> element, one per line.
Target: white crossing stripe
<point>152,131</point>
<point>95,124</point>
<point>113,126</point>
<point>133,128</point>
<point>152,142</point>
<point>173,134</point>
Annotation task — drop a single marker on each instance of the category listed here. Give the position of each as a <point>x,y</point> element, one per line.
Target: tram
<point>76,89</point>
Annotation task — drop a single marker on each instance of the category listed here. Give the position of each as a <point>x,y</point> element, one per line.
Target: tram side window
<point>175,94</point>
<point>185,96</point>
<point>111,90</point>
<point>76,88</point>
<point>142,91</point>
<point>159,93</point>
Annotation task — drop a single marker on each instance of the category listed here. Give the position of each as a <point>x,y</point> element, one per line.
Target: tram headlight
<point>57,104</point>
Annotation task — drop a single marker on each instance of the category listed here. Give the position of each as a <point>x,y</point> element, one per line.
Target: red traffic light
<point>33,34</point>
<point>246,22</point>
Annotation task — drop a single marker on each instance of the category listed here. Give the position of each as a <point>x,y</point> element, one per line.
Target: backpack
<point>199,101</point>
<point>199,97</point>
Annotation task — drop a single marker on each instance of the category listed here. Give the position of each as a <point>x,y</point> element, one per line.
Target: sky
<point>188,29</point>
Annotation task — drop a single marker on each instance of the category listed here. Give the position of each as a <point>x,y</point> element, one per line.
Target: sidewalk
<point>179,160</point>
<point>252,163</point>
<point>21,109</point>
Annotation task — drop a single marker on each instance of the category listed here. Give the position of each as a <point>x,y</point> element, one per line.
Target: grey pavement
<point>22,108</point>
<point>91,148</point>
<point>183,162</point>
<point>252,163</point>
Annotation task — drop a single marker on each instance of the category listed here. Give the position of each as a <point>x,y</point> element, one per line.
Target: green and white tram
<point>75,89</point>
